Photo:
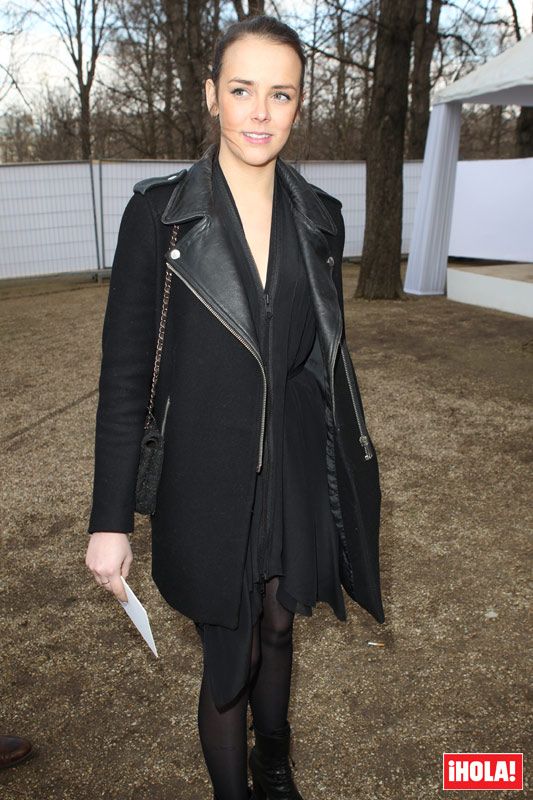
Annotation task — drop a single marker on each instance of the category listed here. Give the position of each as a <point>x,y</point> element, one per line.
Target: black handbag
<point>152,442</point>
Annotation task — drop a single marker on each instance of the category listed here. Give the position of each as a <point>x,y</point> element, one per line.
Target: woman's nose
<point>261,110</point>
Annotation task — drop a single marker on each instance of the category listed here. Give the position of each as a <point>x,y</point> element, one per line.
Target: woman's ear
<point>211,97</point>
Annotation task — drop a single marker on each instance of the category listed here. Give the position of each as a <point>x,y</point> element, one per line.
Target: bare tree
<point>138,81</point>
<point>193,39</point>
<point>310,110</point>
<point>152,102</point>
<point>9,69</point>
<point>340,52</point>
<point>162,50</point>
<point>380,263</point>
<point>77,21</point>
<point>255,7</point>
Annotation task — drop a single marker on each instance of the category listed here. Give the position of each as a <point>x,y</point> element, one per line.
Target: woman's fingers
<point>117,587</point>
<point>108,556</point>
<point>113,584</point>
<point>126,567</point>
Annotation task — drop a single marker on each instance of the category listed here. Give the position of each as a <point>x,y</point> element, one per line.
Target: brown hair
<point>264,26</point>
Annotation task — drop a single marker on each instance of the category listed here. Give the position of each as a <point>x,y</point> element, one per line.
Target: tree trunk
<point>169,79</point>
<point>189,57</point>
<point>340,108</point>
<point>524,132</point>
<point>310,102</point>
<point>85,123</point>
<point>424,41</point>
<point>380,265</point>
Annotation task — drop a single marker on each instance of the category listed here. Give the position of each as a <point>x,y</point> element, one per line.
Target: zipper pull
<point>267,305</point>
<point>366,446</point>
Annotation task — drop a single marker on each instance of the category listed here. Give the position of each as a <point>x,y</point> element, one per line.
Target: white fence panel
<point>64,216</point>
<point>47,222</point>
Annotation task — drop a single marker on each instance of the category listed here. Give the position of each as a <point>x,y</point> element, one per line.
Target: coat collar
<point>204,258</point>
<point>193,198</point>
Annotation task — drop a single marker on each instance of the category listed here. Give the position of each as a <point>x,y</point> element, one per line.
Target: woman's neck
<point>247,182</point>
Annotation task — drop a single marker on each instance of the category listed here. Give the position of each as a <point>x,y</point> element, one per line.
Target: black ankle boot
<point>269,764</point>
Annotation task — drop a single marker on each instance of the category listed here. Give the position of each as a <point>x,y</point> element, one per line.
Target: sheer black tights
<point>223,734</point>
<point>270,686</point>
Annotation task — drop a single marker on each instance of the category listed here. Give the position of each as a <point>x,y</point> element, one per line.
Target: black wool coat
<point>211,394</point>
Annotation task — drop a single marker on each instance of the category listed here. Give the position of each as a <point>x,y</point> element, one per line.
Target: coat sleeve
<point>337,251</point>
<point>127,356</point>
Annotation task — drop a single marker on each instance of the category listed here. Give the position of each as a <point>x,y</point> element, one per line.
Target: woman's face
<point>258,93</point>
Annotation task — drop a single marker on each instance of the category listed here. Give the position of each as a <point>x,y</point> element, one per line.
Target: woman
<point>269,497</point>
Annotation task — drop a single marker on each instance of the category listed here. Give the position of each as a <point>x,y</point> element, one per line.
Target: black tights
<point>223,735</point>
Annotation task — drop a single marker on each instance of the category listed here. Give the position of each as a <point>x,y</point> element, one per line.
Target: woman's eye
<point>277,94</point>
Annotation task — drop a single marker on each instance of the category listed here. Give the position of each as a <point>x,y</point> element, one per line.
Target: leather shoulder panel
<point>148,183</point>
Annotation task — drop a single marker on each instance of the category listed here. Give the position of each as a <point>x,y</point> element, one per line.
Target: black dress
<point>292,531</point>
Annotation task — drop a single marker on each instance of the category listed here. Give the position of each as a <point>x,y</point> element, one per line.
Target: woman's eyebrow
<point>274,86</point>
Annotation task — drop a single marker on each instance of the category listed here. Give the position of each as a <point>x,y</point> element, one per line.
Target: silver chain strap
<point>161,333</point>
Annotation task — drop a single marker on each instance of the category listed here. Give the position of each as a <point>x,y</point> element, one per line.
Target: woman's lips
<point>262,139</point>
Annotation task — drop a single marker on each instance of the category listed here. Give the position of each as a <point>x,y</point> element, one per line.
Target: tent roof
<point>506,79</point>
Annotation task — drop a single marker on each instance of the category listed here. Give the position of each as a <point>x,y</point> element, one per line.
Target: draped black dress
<point>292,531</point>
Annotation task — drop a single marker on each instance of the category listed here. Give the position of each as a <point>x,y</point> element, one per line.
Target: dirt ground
<point>448,400</point>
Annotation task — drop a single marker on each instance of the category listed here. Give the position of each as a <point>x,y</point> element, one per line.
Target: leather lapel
<point>311,219</point>
<point>206,261</point>
<point>204,258</point>
<point>316,252</point>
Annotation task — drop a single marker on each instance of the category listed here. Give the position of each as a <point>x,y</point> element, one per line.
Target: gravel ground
<point>447,393</point>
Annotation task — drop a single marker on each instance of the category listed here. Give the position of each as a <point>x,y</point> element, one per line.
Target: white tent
<point>506,79</point>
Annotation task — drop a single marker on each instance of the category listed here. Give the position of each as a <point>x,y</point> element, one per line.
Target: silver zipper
<point>165,416</point>
<point>363,438</point>
<point>332,379</point>
<point>245,343</point>
<point>268,316</point>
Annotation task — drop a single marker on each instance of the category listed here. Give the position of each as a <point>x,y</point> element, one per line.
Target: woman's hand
<point>108,557</point>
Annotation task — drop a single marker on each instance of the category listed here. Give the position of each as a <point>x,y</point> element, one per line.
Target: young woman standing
<point>269,497</point>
